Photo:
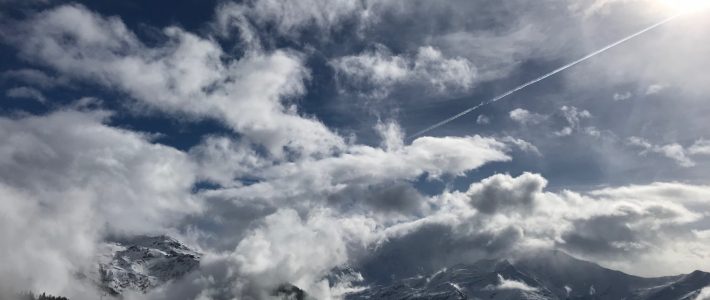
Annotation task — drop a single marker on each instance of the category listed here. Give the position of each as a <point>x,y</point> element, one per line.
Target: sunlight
<point>686,6</point>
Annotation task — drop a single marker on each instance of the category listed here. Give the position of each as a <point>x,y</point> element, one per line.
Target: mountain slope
<point>542,275</point>
<point>142,263</point>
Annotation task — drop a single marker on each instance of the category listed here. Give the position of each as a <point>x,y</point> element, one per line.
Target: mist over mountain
<point>140,264</point>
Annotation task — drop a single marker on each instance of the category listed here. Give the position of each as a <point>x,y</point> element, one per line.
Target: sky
<point>274,136</point>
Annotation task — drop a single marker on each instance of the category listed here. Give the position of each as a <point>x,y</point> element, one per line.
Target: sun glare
<point>687,6</point>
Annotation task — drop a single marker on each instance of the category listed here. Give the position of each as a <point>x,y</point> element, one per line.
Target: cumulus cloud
<point>359,191</point>
<point>286,244</point>
<point>601,223</point>
<point>68,179</point>
<point>364,165</point>
<point>302,252</point>
<point>504,214</point>
<point>377,72</point>
<point>188,74</point>
<point>500,192</point>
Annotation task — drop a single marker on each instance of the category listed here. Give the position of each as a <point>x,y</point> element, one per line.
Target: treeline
<point>43,296</point>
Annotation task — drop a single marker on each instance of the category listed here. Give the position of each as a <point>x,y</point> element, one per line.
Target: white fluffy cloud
<point>377,72</point>
<point>366,165</point>
<point>302,252</point>
<point>648,220</point>
<point>622,227</point>
<point>67,180</point>
<point>187,75</point>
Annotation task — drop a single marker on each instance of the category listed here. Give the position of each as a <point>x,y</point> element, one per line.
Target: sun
<point>686,6</point>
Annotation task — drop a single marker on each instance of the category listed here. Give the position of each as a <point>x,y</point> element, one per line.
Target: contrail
<point>543,77</point>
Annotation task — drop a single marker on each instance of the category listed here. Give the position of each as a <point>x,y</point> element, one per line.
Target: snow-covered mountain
<point>543,275</point>
<point>143,262</point>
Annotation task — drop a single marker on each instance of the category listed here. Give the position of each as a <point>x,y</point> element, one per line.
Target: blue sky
<point>249,128</point>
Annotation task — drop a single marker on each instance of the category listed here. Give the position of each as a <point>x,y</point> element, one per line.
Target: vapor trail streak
<point>543,77</point>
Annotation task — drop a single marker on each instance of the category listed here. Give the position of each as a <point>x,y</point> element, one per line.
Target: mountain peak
<point>141,263</point>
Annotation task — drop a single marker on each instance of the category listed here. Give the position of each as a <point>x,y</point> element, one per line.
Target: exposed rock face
<point>143,262</point>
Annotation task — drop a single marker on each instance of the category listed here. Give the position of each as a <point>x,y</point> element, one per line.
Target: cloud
<point>35,77</point>
<point>522,145</point>
<point>27,93</point>
<point>223,160</point>
<point>365,165</point>
<point>573,116</point>
<point>187,74</point>
<point>500,192</point>
<point>376,73</point>
<point>483,120</point>
<point>622,227</point>
<point>673,151</point>
<point>569,117</point>
<point>289,249</point>
<point>68,179</point>
<point>303,235</point>
<point>704,294</point>
<point>509,284</point>
<point>495,53</point>
<point>291,18</point>
<point>525,117</point>
<point>654,89</point>
<point>700,147</point>
<point>287,199</point>
<point>622,96</point>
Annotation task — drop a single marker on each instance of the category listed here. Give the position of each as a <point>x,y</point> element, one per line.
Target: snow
<point>142,263</point>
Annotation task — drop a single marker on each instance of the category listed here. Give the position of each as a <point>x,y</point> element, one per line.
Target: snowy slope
<point>143,262</point>
<point>544,275</point>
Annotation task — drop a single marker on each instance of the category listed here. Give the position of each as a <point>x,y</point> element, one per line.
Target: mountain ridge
<point>542,275</point>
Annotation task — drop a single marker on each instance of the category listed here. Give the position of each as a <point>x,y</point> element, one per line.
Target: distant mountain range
<point>144,262</point>
<point>544,275</point>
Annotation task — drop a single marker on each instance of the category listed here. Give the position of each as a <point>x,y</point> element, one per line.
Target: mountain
<point>141,263</point>
<point>541,275</point>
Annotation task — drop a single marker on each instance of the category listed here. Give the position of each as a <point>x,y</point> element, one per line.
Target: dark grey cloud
<point>498,193</point>
<point>386,197</point>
